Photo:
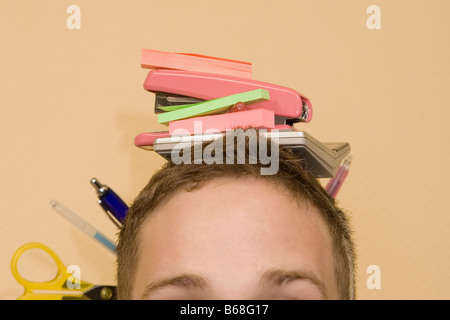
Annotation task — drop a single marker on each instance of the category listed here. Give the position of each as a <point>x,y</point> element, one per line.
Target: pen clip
<point>110,216</point>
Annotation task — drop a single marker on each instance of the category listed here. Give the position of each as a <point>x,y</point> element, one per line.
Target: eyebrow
<point>184,281</point>
<point>278,277</point>
<point>270,277</point>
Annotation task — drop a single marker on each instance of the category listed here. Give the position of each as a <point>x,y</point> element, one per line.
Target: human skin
<point>229,240</point>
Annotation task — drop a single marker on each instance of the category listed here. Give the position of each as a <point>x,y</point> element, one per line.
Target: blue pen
<point>115,208</point>
<point>84,226</point>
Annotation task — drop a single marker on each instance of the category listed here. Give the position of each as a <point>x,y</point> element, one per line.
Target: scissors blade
<point>101,293</point>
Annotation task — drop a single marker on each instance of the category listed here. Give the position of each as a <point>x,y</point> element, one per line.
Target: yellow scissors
<point>58,288</point>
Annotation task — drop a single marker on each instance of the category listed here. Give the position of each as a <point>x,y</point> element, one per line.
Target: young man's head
<point>224,231</point>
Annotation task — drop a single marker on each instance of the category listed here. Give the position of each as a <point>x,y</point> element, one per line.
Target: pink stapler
<point>185,87</point>
<point>255,118</point>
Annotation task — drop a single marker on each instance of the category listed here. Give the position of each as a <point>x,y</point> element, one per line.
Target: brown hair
<point>291,175</point>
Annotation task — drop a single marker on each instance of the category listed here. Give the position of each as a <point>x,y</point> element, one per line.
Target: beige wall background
<point>72,102</point>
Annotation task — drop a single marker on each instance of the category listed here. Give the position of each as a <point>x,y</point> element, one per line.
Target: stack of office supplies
<point>196,95</point>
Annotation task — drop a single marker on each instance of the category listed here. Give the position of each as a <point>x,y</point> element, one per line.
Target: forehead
<point>230,227</point>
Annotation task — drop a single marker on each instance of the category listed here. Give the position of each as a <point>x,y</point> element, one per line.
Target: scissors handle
<point>55,284</point>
